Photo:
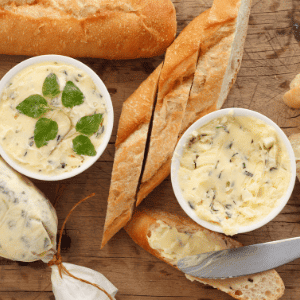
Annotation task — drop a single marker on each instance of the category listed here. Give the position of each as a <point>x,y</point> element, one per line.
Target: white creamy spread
<point>28,222</point>
<point>17,129</point>
<point>233,171</point>
<point>175,245</point>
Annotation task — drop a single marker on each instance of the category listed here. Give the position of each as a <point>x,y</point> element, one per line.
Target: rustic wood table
<point>271,60</point>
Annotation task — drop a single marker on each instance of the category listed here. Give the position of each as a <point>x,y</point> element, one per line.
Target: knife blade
<point>241,261</point>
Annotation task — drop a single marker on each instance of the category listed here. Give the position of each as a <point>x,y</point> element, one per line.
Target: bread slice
<point>110,29</point>
<point>221,32</point>
<point>262,286</point>
<point>205,45</point>
<point>130,148</point>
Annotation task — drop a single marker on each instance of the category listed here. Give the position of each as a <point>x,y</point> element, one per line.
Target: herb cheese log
<point>171,237</point>
<point>198,71</point>
<point>110,29</point>
<point>28,221</point>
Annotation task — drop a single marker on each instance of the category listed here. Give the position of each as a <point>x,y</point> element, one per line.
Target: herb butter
<point>28,222</point>
<point>234,171</point>
<point>52,118</point>
<point>175,245</point>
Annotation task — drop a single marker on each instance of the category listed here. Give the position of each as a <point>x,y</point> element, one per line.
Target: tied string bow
<point>57,260</point>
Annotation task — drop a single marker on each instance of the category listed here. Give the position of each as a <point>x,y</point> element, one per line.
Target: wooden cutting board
<point>271,60</point>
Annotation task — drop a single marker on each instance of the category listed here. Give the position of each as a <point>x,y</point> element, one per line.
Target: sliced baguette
<point>222,32</point>
<point>262,286</point>
<point>179,86</point>
<point>130,148</point>
<point>110,29</point>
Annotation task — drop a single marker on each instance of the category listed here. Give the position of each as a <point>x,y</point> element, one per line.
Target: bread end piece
<point>130,148</point>
<point>262,286</point>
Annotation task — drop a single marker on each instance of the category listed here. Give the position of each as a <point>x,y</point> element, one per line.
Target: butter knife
<point>241,261</point>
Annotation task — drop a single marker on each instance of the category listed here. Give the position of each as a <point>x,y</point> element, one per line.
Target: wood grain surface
<point>271,60</point>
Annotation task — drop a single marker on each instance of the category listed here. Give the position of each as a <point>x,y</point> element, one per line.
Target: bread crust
<point>109,29</point>
<point>130,148</point>
<point>143,221</point>
<point>180,88</point>
<point>220,33</point>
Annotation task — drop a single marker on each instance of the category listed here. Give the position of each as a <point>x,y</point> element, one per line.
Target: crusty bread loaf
<point>110,29</point>
<point>262,286</point>
<point>198,71</point>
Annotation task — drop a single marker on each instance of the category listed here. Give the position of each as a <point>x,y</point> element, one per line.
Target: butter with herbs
<point>234,171</point>
<point>69,95</point>
<point>175,245</point>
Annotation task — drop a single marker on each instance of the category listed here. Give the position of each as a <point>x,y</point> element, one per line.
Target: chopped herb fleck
<point>228,214</point>
<point>191,205</point>
<point>248,174</point>
<point>217,164</point>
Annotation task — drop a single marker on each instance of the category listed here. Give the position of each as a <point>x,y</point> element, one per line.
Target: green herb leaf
<point>82,145</point>
<point>71,95</point>
<point>33,106</point>
<point>51,86</point>
<point>89,125</point>
<point>45,130</point>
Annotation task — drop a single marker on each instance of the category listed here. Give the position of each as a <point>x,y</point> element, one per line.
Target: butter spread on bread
<point>203,60</point>
<point>170,237</point>
<point>110,29</point>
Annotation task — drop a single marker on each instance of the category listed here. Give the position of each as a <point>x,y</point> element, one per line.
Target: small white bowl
<point>179,150</point>
<point>109,107</point>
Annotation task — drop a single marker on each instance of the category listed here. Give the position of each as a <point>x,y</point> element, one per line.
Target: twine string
<point>57,260</point>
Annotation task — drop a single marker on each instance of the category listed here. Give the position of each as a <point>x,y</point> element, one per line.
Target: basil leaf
<point>45,130</point>
<point>71,95</point>
<point>82,145</point>
<point>89,125</point>
<point>50,86</point>
<point>33,106</point>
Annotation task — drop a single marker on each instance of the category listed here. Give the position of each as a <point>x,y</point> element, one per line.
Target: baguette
<point>109,29</point>
<point>266,285</point>
<point>222,32</point>
<point>197,73</point>
<point>130,143</point>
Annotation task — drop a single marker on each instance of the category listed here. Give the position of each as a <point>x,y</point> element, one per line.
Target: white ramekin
<point>110,114</point>
<point>179,150</point>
